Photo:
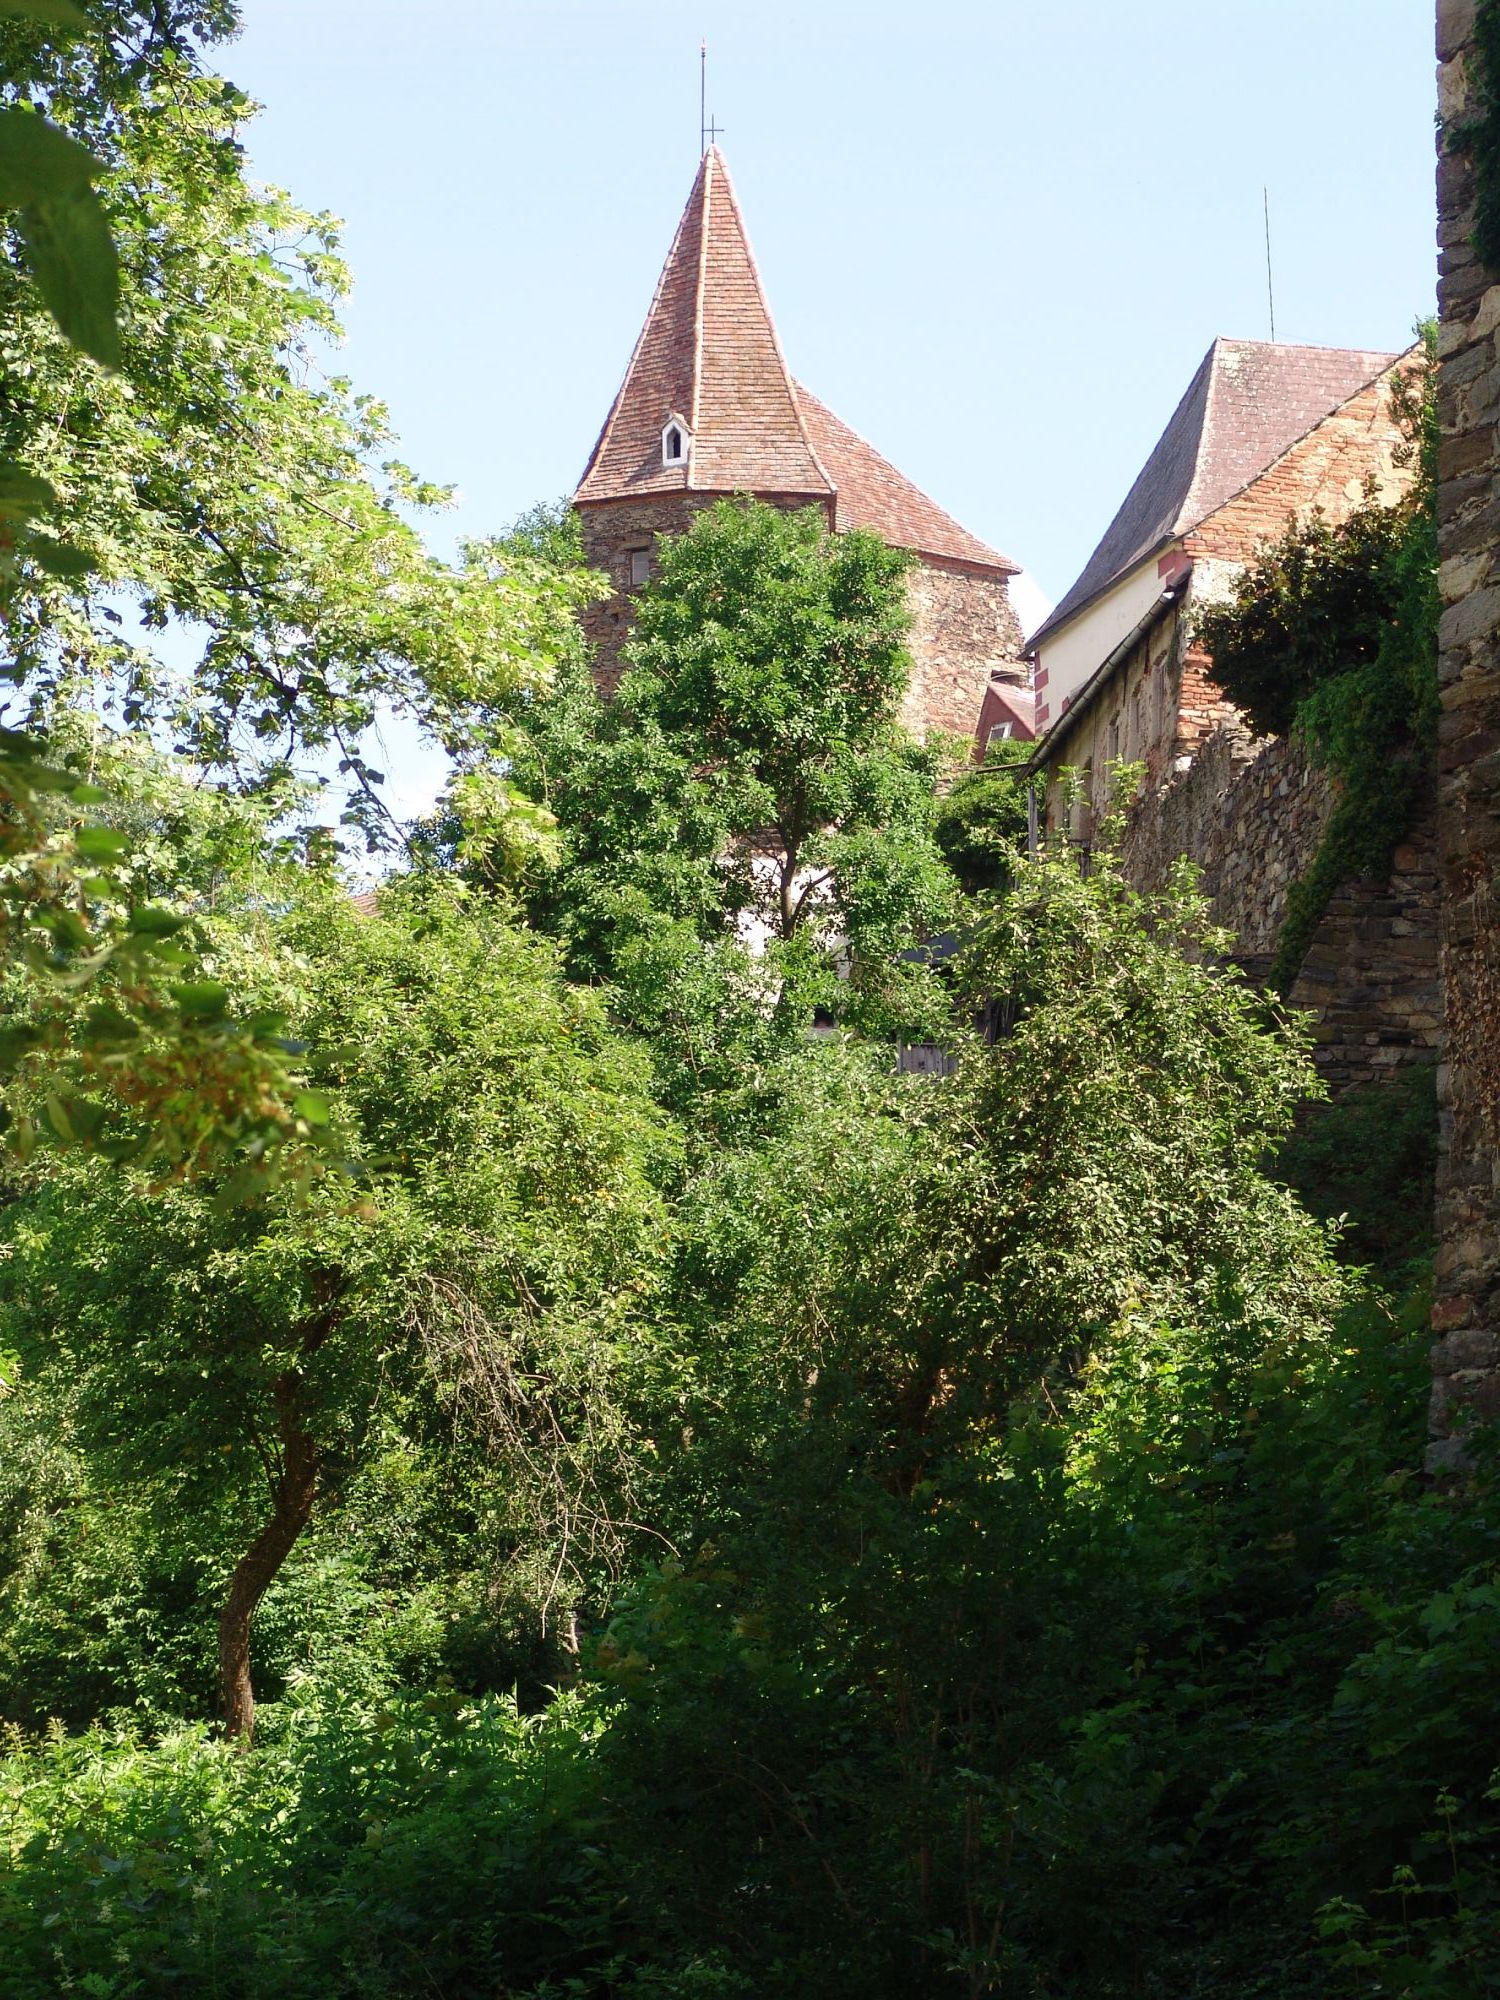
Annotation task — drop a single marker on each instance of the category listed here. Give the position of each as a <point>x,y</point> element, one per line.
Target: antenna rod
<point>1270,293</point>
<point>702,97</point>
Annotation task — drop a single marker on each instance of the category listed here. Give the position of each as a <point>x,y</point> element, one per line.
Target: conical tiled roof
<point>1248,404</point>
<point>872,494</point>
<point>708,354</point>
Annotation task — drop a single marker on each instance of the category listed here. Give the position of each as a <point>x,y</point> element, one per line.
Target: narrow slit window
<point>640,567</point>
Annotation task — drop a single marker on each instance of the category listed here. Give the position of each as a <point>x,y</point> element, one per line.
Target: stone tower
<point>709,408</point>
<point>1466,1307</point>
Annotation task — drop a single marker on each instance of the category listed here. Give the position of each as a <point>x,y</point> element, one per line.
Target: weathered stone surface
<point>1471,618</point>
<point>963,624</point>
<point>1251,815</point>
<point>613,532</point>
<point>1455,27</point>
<point>963,628</point>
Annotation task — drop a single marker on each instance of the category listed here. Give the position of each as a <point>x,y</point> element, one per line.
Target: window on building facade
<point>674,443</point>
<point>640,567</point>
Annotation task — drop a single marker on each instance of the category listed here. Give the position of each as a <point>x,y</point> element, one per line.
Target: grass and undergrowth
<point>1241,1742</point>
<point>1041,1593</point>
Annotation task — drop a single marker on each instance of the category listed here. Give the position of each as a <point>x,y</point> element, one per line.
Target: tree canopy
<point>751,779</point>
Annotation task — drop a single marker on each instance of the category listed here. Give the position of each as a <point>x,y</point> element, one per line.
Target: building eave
<point>1103,674</point>
<point>1052,625</point>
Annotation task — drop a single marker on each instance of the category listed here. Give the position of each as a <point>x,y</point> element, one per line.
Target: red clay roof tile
<point>871,493</point>
<point>708,354</point>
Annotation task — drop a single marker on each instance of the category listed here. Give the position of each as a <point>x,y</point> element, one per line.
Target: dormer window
<point>676,441</point>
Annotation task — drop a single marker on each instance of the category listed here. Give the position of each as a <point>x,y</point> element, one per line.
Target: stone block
<point>1463,573</point>
<point>1465,1349</point>
<point>1477,615</point>
<point>1455,27</point>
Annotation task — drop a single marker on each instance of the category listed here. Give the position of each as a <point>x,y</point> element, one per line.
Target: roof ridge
<point>1213,396</point>
<point>657,289</point>
<point>704,223</point>
<point>765,306</point>
<point>1302,346</point>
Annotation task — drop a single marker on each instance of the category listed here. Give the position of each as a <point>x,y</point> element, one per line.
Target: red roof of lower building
<point>1250,401</point>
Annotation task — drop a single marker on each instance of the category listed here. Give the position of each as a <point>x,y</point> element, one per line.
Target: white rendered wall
<point>1071,654</point>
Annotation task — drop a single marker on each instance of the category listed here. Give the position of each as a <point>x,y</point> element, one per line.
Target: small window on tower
<point>640,567</point>
<point>676,441</point>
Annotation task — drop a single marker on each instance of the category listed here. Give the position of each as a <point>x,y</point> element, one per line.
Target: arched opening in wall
<point>676,441</point>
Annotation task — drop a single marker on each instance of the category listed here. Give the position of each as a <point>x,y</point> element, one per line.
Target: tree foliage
<point>750,779</point>
<point>494,1235</point>
<point>712,1514</point>
<point>238,495</point>
<point>1053,1608</point>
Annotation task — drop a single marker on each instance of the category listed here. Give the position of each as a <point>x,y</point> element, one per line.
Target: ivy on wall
<point>1332,633</point>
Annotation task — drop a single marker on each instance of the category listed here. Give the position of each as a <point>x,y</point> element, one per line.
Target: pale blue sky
<point>997,238</point>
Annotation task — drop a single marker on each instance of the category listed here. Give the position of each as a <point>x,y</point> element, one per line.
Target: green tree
<point>770,654</point>
<point>982,818</point>
<point>751,780</point>
<point>904,1304</point>
<point>219,480</point>
<point>172,1074</point>
<point>492,1247</point>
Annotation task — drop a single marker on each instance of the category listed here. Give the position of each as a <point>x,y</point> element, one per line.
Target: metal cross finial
<point>708,129</point>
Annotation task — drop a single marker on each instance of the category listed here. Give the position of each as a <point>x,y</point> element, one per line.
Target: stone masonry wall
<point>1251,814</point>
<point>963,626</point>
<point>1466,1312</point>
<point>612,531</point>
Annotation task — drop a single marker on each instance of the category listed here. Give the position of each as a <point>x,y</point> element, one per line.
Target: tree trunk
<point>788,912</point>
<point>292,1495</point>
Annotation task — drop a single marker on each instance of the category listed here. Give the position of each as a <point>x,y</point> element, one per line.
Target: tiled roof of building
<point>1250,401</point>
<point>872,494</point>
<point>1005,703</point>
<point>709,356</point>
